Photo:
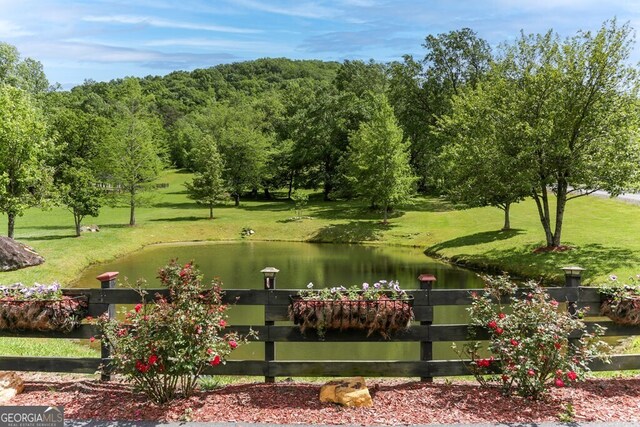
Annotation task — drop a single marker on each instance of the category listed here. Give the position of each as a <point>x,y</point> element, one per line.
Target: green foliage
<point>300,200</point>
<point>165,346</point>
<point>378,164</point>
<point>207,186</point>
<point>530,346</point>
<point>24,178</point>
<point>79,192</point>
<point>26,74</point>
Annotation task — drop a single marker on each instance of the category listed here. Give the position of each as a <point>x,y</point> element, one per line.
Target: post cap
<point>573,271</point>
<point>427,278</point>
<point>110,275</point>
<point>269,270</point>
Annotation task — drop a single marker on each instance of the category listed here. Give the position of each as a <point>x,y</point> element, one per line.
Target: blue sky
<point>105,39</point>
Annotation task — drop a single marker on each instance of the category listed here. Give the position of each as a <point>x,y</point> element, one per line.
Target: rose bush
<point>163,347</point>
<point>529,349</point>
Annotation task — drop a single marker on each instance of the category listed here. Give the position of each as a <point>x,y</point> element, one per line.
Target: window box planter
<point>63,314</point>
<point>383,315</point>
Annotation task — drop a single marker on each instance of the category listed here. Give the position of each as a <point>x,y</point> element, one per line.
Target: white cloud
<point>10,30</point>
<point>220,44</point>
<point>296,9</point>
<point>165,23</point>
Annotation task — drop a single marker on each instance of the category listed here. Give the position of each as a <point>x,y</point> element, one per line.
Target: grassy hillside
<point>602,232</point>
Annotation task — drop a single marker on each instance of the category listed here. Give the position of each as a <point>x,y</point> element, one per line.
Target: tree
<point>475,169</point>
<point>567,113</point>
<point>24,178</point>
<point>378,163</point>
<point>79,192</point>
<point>131,156</point>
<point>207,186</point>
<point>26,74</point>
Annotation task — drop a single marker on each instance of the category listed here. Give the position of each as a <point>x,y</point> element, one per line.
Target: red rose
<point>223,323</point>
<point>122,332</point>
<point>492,324</point>
<point>501,315</point>
<point>531,373</point>
<point>141,366</point>
<point>559,382</point>
<point>484,363</point>
<point>92,339</point>
<point>153,359</point>
<point>499,331</point>
<point>557,345</point>
<point>514,342</point>
<point>215,361</point>
<point>572,375</point>
<point>505,378</point>
<point>138,307</point>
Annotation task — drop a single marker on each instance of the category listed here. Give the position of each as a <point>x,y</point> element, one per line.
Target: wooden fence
<point>276,301</point>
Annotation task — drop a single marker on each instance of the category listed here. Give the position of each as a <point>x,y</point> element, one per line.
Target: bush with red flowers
<point>163,347</point>
<point>529,349</point>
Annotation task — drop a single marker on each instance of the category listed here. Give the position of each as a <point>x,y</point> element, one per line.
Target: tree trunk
<point>385,209</point>
<point>327,191</point>
<point>236,199</point>
<point>542,202</point>
<point>77,220</point>
<point>132,202</point>
<point>267,194</point>
<point>561,203</point>
<point>11,217</point>
<point>290,186</point>
<point>211,211</point>
<point>507,220</point>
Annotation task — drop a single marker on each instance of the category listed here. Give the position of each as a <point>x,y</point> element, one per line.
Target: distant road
<point>629,198</point>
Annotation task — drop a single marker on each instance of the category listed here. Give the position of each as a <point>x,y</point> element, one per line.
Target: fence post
<point>572,276</point>
<point>426,347</point>
<point>107,281</point>
<point>269,346</point>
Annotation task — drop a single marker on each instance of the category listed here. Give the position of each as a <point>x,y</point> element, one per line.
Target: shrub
<point>529,346</point>
<point>165,346</point>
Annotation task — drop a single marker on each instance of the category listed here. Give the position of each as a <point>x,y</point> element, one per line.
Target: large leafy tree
<point>567,113</point>
<point>378,163</point>
<point>207,186</point>
<point>478,169</point>
<point>26,74</point>
<point>131,157</point>
<point>24,177</point>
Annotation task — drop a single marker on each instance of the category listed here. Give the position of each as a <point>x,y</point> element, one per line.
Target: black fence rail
<point>276,303</point>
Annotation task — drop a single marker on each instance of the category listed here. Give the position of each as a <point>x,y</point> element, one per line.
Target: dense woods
<point>539,115</point>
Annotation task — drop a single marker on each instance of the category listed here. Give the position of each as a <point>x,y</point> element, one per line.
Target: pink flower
<point>501,315</point>
<point>233,344</point>
<point>572,375</point>
<point>209,351</point>
<point>559,382</point>
<point>92,339</point>
<point>122,332</point>
<point>215,361</point>
<point>223,323</point>
<point>138,307</point>
<point>554,303</point>
<point>531,373</point>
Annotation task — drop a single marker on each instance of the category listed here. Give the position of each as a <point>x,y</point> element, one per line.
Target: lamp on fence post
<point>269,346</point>
<point>572,277</point>
<point>269,277</point>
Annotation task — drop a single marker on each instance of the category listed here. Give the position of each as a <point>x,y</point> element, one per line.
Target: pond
<point>238,265</point>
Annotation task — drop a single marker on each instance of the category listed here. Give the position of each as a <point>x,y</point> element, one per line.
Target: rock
<point>351,392</point>
<point>15,255</point>
<point>89,228</point>
<point>10,385</point>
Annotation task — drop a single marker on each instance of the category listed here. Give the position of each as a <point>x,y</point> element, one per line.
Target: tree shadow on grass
<point>597,260</point>
<point>37,238</point>
<point>476,239</point>
<point>183,218</point>
<point>349,211</point>
<point>433,204</point>
<point>352,232</point>
<point>177,205</point>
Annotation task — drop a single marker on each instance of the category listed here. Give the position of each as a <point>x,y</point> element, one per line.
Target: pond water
<point>238,265</point>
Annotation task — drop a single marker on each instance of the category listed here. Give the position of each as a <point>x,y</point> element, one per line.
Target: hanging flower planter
<point>623,310</point>
<point>381,309</point>
<point>39,308</point>
<point>61,315</point>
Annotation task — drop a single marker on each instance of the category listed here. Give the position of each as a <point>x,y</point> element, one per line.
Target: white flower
<point>365,286</point>
<point>310,285</point>
<point>613,277</point>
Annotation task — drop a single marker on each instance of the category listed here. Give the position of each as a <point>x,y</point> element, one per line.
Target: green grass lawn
<point>602,232</point>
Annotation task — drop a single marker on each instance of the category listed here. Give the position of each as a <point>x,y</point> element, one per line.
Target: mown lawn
<point>602,232</point>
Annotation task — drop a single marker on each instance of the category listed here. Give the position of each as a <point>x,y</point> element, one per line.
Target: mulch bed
<point>396,402</point>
